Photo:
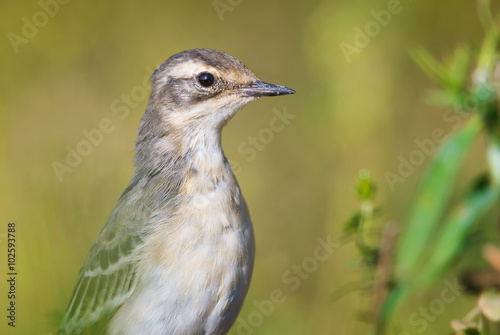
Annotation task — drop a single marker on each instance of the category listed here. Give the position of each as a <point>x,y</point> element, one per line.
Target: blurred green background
<point>362,113</point>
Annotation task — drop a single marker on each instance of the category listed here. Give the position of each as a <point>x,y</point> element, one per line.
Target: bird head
<point>204,88</point>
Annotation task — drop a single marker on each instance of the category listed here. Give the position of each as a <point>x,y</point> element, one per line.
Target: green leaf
<point>493,156</point>
<point>445,98</point>
<point>428,63</point>
<point>452,237</point>
<point>365,187</point>
<point>394,299</point>
<point>483,8</point>
<point>451,75</point>
<point>352,224</point>
<point>457,69</point>
<point>427,209</point>
<point>487,57</point>
<point>431,198</point>
<point>439,98</point>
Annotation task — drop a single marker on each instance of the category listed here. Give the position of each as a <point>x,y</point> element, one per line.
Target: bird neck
<point>204,150</point>
<point>178,151</point>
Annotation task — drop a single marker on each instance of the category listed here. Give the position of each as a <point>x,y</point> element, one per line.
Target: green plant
<point>432,237</point>
<point>435,233</point>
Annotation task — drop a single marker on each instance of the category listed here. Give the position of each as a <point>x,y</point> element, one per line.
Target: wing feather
<point>107,277</point>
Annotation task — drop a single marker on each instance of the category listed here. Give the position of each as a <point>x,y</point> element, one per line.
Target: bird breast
<point>197,262</point>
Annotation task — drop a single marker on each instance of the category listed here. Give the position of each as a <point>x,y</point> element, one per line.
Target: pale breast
<point>196,264</point>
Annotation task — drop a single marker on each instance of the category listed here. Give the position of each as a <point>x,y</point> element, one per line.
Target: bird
<point>176,254</point>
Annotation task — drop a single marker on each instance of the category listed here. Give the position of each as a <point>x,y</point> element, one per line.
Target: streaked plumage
<point>176,254</point>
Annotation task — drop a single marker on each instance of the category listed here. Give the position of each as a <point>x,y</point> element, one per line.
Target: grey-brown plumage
<point>176,254</point>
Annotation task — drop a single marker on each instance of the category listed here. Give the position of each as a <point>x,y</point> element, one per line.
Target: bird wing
<point>108,275</point>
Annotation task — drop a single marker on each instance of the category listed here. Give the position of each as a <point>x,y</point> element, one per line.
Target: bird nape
<point>176,254</point>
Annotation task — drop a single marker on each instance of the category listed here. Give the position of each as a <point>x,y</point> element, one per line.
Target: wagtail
<point>177,252</point>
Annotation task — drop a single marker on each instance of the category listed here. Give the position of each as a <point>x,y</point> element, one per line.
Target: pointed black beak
<point>261,89</point>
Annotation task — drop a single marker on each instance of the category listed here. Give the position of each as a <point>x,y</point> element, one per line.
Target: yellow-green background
<point>362,114</point>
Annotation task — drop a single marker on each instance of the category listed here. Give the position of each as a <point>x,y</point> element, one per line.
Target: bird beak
<point>261,89</point>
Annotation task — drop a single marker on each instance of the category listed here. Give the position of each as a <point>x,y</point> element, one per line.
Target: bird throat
<point>205,154</point>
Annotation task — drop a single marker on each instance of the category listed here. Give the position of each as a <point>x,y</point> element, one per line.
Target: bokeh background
<point>365,112</point>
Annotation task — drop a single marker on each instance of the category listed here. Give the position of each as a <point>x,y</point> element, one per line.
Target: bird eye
<point>206,79</point>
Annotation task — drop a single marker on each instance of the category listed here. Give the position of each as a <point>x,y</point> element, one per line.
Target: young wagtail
<point>176,254</point>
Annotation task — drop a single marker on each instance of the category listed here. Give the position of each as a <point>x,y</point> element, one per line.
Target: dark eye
<point>206,79</point>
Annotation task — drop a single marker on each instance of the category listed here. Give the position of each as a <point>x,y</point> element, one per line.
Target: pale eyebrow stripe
<point>189,69</point>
